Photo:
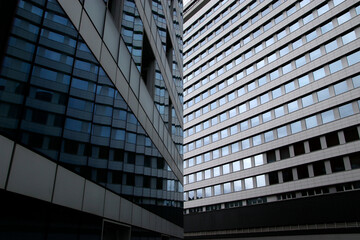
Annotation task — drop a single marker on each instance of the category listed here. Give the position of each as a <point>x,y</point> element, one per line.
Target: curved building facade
<point>271,118</point>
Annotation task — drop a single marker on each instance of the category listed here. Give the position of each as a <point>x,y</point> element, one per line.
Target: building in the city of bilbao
<point>91,119</point>
<point>271,119</point>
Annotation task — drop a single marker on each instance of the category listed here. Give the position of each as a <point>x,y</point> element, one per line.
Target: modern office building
<point>271,119</point>
<point>91,119</point>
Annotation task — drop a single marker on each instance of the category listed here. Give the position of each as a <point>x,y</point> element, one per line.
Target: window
<point>346,110</point>
<point>255,121</point>
<point>351,36</point>
<point>244,125</point>
<point>290,87</point>
<point>323,9</point>
<point>353,58</point>
<point>259,160</point>
<point>303,81</point>
<point>269,136</point>
<point>227,188</point>
<point>327,116</point>
<point>307,101</point>
<point>237,186</point>
<point>311,36</point>
<point>282,132</point>
<point>284,51</point>
<point>272,58</point>
<point>308,18</point>
<point>327,27</point>
<point>296,127</point>
<point>331,46</point>
<point>249,183</point>
<point>217,190</point>
<point>266,116</point>
<point>311,122</point>
<point>274,75</point>
<point>300,62</point>
<point>208,192</point>
<point>226,168</point>
<point>235,147</point>
<point>264,98</point>
<point>245,144</point>
<point>318,74</point>
<point>276,93</point>
<point>340,88</point>
<point>335,66</point>
<point>323,94</point>
<point>253,103</point>
<point>279,111</point>
<point>315,54</point>
<point>344,18</point>
<point>256,140</point>
<point>260,181</point>
<point>297,44</point>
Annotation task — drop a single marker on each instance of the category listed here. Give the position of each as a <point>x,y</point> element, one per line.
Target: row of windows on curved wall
<point>330,139</point>
<point>341,187</point>
<point>277,92</point>
<point>300,125</point>
<point>270,58</point>
<point>314,169</point>
<point>244,10</point>
<point>293,27</point>
<point>260,30</point>
<point>206,15</point>
<point>297,104</point>
<point>230,23</point>
<point>61,103</point>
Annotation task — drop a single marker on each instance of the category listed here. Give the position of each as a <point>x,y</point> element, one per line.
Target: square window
<point>346,110</point>
<point>318,74</point>
<point>351,36</point>
<point>331,46</point>
<point>236,166</point>
<point>311,122</point>
<point>340,87</point>
<point>327,116</point>
<point>282,132</point>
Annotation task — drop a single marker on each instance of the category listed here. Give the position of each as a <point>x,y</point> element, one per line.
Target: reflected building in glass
<point>271,119</point>
<point>91,119</point>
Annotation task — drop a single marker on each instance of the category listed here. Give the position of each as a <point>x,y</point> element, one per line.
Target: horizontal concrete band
<point>25,172</point>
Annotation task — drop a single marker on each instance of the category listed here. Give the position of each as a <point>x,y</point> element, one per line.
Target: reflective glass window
<point>311,122</point>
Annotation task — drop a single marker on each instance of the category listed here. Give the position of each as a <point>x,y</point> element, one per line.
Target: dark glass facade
<point>56,99</point>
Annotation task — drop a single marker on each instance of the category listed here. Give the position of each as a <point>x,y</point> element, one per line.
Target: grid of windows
<point>291,72</point>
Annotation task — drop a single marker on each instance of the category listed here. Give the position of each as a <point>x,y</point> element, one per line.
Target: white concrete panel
<point>69,189</point>
<point>145,220</point>
<point>146,100</point>
<point>121,84</point>
<point>73,10</point>
<point>6,148</point>
<point>124,60</point>
<point>111,35</point>
<point>108,63</point>
<point>112,206</point>
<point>125,211</point>
<point>94,198</point>
<point>96,11</point>
<point>90,35</point>
<point>134,79</point>
<point>136,215</point>
<point>31,174</point>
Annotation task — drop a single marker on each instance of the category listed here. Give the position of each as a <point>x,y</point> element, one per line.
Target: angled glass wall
<point>56,99</point>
